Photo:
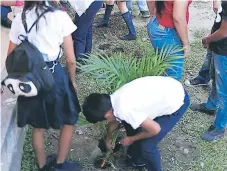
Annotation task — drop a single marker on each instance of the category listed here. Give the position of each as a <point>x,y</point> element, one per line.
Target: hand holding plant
<point>126,141</point>
<point>108,144</point>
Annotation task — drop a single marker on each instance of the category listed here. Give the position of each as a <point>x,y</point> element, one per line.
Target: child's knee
<point>120,4</point>
<point>67,127</point>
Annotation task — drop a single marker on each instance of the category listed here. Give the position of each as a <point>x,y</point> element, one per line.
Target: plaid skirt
<point>54,109</point>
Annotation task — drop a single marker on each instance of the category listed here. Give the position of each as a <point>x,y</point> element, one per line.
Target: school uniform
<point>162,99</point>
<point>85,14</point>
<point>60,106</point>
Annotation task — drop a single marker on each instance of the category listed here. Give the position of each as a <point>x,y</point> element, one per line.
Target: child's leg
<point>38,145</point>
<point>106,18</point>
<point>122,6</point>
<point>150,151</point>
<point>83,23</point>
<point>65,140</point>
<point>128,20</point>
<point>88,47</point>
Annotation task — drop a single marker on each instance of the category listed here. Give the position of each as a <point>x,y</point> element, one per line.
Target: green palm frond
<point>119,69</point>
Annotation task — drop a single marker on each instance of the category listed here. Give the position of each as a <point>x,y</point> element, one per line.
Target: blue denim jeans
<point>82,37</point>
<point>146,150</point>
<point>218,96</point>
<point>4,11</point>
<point>142,4</point>
<point>161,36</point>
<point>206,71</point>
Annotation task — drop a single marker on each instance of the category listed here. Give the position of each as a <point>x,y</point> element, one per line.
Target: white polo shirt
<point>147,97</point>
<point>81,6</point>
<point>52,28</point>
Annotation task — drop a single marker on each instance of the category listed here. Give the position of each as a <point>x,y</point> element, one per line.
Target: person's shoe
<point>213,134</point>
<point>128,37</point>
<point>105,21</point>
<point>67,166</point>
<point>195,82</point>
<point>102,23</point>
<point>145,14</point>
<point>50,162</point>
<point>131,28</point>
<point>202,108</point>
<point>6,22</point>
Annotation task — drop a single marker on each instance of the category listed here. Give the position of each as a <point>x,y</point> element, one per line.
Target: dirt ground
<point>183,148</point>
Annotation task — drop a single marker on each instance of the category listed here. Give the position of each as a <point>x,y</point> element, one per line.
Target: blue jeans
<point>4,11</point>
<point>146,150</point>
<point>142,4</point>
<point>205,72</point>
<point>82,37</point>
<point>163,37</point>
<point>218,96</point>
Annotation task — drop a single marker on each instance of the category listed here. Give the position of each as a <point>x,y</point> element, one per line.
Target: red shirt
<point>166,19</point>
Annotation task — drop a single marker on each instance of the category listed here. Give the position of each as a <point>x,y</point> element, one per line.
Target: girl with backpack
<point>59,108</point>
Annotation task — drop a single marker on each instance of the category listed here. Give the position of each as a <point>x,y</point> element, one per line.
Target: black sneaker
<point>50,162</point>
<point>213,134</point>
<point>202,108</point>
<point>6,22</point>
<point>145,14</point>
<point>196,82</point>
<point>101,23</point>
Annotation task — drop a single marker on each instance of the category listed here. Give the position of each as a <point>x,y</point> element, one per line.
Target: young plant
<point>119,69</point>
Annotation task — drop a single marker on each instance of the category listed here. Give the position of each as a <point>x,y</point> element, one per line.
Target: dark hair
<point>40,6</point>
<point>159,6</point>
<point>96,106</point>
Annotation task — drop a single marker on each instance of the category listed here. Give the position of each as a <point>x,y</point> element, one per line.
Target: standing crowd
<point>158,102</point>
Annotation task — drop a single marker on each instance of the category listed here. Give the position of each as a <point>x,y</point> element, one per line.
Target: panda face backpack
<point>27,71</point>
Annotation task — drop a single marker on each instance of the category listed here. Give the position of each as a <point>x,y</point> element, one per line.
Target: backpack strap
<point>59,52</point>
<point>36,21</point>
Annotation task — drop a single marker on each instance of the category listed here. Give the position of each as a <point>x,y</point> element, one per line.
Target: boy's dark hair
<point>95,107</point>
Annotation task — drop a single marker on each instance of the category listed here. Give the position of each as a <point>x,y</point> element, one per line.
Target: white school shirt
<point>81,6</point>
<point>52,28</point>
<point>147,97</point>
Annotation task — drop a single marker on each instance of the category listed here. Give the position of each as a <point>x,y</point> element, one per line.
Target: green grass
<point>28,158</point>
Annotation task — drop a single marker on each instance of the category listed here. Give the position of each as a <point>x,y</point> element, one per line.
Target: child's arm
<point>180,23</point>
<point>70,58</point>
<point>112,127</point>
<point>150,129</point>
<point>12,46</point>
